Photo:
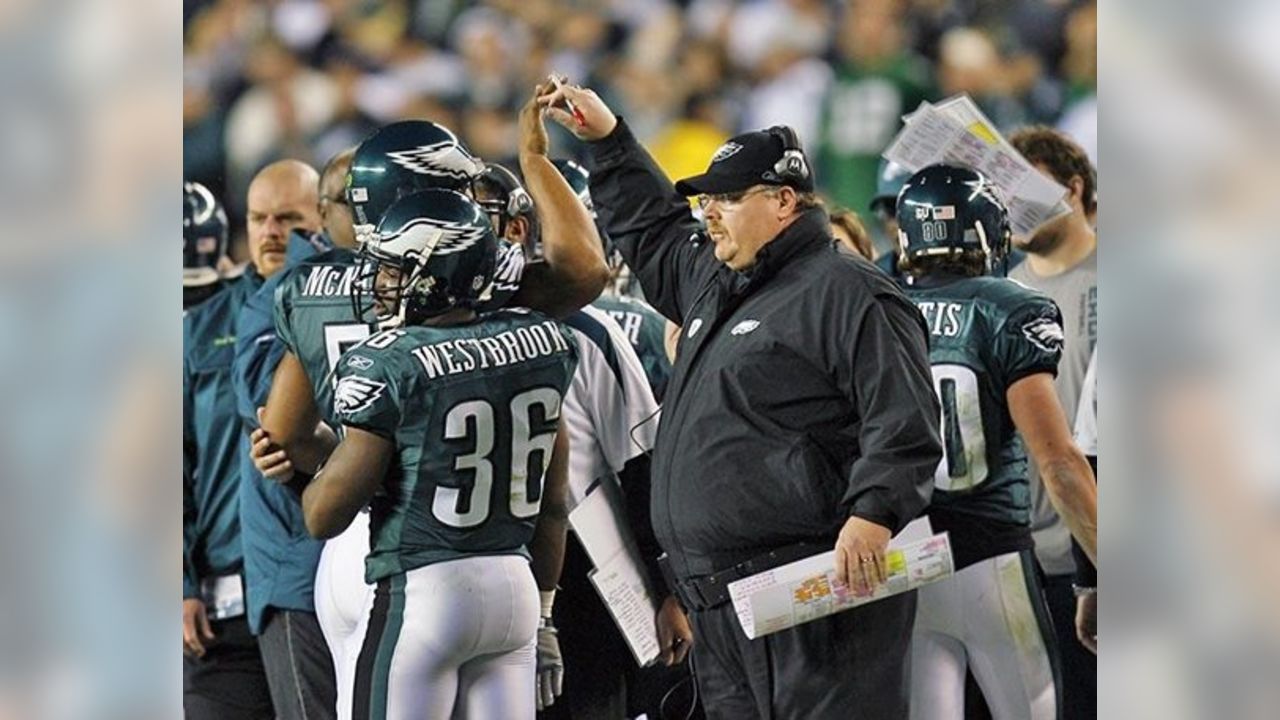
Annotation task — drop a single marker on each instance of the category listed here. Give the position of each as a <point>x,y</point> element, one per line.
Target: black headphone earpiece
<point>792,166</point>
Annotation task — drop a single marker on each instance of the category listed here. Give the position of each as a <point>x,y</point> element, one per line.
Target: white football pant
<point>343,599</point>
<point>449,640</point>
<point>989,617</point>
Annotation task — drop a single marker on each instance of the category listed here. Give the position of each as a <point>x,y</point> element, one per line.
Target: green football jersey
<point>472,410</point>
<point>986,333</point>
<point>646,330</point>
<point>315,319</point>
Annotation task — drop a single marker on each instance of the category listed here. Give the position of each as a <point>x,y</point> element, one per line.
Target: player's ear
<point>1076,186</point>
<point>518,230</point>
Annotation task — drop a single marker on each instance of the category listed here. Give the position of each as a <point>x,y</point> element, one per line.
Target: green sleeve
<point>190,582</point>
<point>282,310</point>
<point>1030,339</point>
<point>366,396</point>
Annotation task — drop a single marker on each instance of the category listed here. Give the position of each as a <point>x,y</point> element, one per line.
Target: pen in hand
<point>573,109</point>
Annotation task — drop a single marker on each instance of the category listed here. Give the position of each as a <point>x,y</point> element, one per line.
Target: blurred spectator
<point>202,128</point>
<point>492,45</point>
<point>758,28</point>
<point>287,105</point>
<point>682,148</point>
<point>1080,71</point>
<point>969,63</point>
<point>490,133</point>
<point>847,229</point>
<point>878,79</point>
<point>789,89</point>
<point>350,123</point>
<point>301,78</point>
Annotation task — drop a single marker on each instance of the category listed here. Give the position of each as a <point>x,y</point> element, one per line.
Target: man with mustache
<point>224,677</point>
<point>800,414</point>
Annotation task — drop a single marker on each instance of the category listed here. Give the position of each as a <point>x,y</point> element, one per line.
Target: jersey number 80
<point>964,445</point>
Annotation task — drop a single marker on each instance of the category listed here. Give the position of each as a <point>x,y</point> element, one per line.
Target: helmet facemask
<point>434,252</point>
<point>399,290</point>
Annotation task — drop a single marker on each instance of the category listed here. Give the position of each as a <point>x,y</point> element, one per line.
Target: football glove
<point>550,664</point>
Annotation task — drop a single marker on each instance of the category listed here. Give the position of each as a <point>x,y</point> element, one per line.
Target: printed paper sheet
<point>806,589</point>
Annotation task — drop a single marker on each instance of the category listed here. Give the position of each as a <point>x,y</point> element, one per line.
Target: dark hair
<point>1062,156</point>
<point>967,263</point>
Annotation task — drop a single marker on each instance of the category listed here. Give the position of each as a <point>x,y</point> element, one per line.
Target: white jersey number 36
<point>525,488</point>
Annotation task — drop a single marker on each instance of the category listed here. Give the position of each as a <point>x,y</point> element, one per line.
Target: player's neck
<point>455,316</point>
<point>1078,242</point>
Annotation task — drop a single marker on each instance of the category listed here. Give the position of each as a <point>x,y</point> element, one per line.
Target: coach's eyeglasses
<point>733,198</point>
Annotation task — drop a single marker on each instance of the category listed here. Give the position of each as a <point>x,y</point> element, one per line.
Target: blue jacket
<point>211,545</point>
<point>280,558</point>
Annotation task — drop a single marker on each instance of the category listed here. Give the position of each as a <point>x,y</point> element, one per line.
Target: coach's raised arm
<point>800,414</point>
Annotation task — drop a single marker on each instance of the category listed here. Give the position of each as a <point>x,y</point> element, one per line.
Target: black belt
<point>708,591</point>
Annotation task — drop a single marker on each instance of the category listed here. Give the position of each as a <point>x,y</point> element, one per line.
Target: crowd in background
<point>307,78</point>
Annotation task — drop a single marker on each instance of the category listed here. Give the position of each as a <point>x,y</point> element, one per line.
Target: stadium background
<point>306,78</point>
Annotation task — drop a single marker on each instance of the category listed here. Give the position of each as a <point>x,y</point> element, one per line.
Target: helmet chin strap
<point>391,322</point>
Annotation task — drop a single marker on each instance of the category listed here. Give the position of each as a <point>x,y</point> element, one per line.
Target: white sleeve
<point>1086,430</point>
<point>609,408</point>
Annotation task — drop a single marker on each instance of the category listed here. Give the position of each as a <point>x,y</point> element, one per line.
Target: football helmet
<point>204,235</point>
<point>948,210</point>
<point>890,177</point>
<point>503,197</point>
<point>402,158</point>
<point>579,178</point>
<point>433,250</point>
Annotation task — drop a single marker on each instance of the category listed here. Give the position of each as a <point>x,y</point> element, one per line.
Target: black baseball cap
<point>744,161</point>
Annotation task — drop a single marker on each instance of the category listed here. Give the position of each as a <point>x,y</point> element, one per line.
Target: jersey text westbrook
<point>512,346</point>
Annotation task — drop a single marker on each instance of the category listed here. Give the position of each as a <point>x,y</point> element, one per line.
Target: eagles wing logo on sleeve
<point>1045,333</point>
<point>355,393</point>
<point>441,159</point>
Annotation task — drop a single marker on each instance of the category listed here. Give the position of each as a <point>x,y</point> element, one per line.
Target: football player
<point>994,348</point>
<point>611,416</point>
<point>315,318</point>
<point>204,244</point>
<point>450,421</point>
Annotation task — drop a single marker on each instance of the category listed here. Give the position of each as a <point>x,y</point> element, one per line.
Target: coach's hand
<point>597,119</point>
<point>196,629</point>
<point>270,459</point>
<point>860,555</point>
<point>675,636</point>
<point>550,665</point>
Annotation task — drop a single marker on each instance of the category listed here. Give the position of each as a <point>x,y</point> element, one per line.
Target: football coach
<point>800,414</point>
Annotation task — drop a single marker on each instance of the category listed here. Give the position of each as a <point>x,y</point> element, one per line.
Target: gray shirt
<point>1076,293</point>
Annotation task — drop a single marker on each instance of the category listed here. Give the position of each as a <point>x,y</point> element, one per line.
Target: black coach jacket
<point>802,392</point>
